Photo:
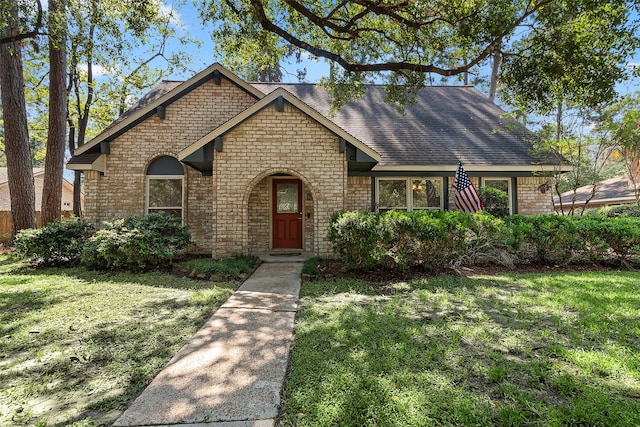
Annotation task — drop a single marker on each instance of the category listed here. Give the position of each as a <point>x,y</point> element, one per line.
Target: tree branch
<point>396,66</point>
<point>29,34</point>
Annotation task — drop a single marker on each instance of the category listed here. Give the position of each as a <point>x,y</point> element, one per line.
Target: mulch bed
<point>331,268</point>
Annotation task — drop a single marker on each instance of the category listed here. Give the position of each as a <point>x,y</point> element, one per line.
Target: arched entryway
<point>280,208</point>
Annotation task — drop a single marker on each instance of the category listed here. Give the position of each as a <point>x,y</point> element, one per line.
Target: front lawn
<point>77,345</point>
<point>510,349</point>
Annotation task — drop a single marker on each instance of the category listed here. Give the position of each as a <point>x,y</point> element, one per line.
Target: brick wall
<point>121,190</point>
<point>268,143</point>
<point>531,200</point>
<point>359,193</point>
<point>258,222</point>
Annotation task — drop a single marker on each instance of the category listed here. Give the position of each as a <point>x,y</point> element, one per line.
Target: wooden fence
<point>5,223</point>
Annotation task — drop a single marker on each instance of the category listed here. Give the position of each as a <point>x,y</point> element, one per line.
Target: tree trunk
<point>57,138</point>
<point>493,85</point>
<point>18,154</point>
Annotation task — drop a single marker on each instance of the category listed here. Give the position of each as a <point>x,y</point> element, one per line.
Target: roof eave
<point>99,164</point>
<point>469,168</point>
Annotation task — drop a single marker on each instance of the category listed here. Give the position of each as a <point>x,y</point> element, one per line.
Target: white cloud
<point>98,70</point>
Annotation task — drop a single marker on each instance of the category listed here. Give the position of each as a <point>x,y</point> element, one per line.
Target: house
<point>38,177</point>
<point>259,167</point>
<point>610,192</point>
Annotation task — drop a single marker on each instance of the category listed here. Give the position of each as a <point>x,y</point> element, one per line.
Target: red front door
<point>287,213</point>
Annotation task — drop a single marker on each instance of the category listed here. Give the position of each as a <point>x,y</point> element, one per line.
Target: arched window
<point>165,186</point>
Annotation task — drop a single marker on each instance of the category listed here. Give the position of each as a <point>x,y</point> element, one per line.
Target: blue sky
<point>203,56</point>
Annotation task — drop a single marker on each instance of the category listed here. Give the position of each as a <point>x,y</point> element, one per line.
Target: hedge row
<point>133,243</point>
<point>436,239</point>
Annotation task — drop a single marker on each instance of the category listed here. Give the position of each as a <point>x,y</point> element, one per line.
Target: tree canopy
<point>402,41</point>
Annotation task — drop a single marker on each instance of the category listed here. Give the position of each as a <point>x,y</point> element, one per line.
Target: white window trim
<point>509,191</point>
<point>409,192</point>
<point>157,208</point>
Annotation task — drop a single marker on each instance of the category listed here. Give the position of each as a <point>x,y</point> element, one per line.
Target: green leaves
<point>132,243</point>
<point>572,48</point>
<point>432,240</point>
<point>574,54</point>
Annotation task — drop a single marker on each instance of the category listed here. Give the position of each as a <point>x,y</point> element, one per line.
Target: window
<point>408,193</point>
<point>165,186</point>
<point>503,184</point>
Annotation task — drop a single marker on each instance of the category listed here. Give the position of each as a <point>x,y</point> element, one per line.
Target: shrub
<point>431,239</point>
<point>494,201</point>
<point>618,211</point>
<point>415,235</point>
<point>58,243</point>
<point>622,235</point>
<point>359,238</point>
<point>136,242</point>
<point>226,268</point>
<point>554,237</point>
<point>487,241</point>
<point>589,229</point>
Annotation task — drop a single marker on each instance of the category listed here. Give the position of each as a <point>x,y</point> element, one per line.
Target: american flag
<point>466,196</point>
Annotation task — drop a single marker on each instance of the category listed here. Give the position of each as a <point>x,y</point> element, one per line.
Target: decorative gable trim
<point>275,97</point>
<point>214,72</point>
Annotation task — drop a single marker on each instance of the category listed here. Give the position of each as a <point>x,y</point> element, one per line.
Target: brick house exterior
<point>256,167</point>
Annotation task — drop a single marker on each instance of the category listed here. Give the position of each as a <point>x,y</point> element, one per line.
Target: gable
<point>155,103</point>
<point>200,154</point>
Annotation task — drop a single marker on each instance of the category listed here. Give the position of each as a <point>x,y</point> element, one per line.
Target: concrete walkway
<point>231,372</point>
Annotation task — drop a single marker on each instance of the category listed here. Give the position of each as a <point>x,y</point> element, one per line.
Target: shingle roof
<point>83,158</point>
<point>447,124</point>
<point>610,189</point>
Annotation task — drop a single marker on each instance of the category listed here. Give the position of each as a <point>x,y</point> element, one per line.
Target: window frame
<point>409,192</point>
<point>171,175</point>
<point>509,187</point>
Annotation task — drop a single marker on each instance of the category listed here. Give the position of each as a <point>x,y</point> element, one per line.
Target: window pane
<point>165,193</point>
<point>426,193</point>
<point>393,194</point>
<point>287,198</point>
<point>500,184</point>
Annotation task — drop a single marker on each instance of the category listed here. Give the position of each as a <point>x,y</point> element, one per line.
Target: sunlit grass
<point>513,349</point>
<point>77,345</point>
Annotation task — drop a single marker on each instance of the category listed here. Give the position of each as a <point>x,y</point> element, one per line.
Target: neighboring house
<point>610,192</point>
<point>38,177</point>
<point>257,167</point>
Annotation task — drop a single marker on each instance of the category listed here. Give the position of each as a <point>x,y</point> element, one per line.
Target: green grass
<point>77,345</point>
<point>234,268</point>
<point>516,349</point>
<point>311,266</point>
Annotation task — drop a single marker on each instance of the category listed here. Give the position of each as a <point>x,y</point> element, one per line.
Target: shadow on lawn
<point>106,365</point>
<point>461,351</point>
<point>73,367</point>
<point>160,278</point>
